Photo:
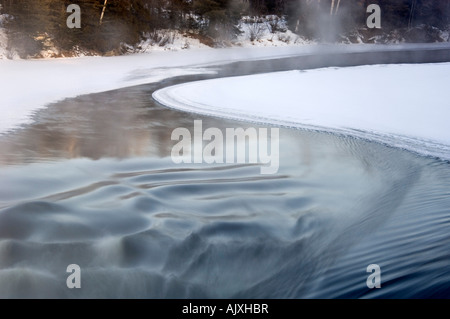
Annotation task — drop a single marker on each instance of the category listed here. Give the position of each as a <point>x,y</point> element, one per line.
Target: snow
<point>28,85</point>
<point>3,41</point>
<point>267,31</point>
<point>402,105</point>
<point>3,38</point>
<point>168,40</point>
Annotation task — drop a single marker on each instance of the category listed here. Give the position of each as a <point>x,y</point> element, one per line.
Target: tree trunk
<point>411,14</point>
<point>337,7</point>
<point>103,11</point>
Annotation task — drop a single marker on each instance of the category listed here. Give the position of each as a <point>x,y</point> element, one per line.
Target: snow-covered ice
<point>405,105</point>
<point>27,85</point>
<point>376,98</point>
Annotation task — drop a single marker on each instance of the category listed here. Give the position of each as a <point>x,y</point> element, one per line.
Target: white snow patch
<point>3,37</point>
<point>263,31</point>
<point>28,85</point>
<point>3,41</point>
<point>168,40</point>
<point>404,105</point>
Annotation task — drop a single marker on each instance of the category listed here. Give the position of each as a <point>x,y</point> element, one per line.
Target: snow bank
<point>27,85</point>
<point>164,40</point>
<point>404,105</point>
<point>270,30</point>
<point>3,38</point>
<point>3,41</point>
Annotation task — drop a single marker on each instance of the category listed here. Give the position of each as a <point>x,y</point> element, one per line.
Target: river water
<point>91,182</point>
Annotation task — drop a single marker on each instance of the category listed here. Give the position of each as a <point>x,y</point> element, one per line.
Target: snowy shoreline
<point>29,85</point>
<point>402,105</point>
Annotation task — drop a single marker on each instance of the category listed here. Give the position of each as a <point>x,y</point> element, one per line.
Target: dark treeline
<point>326,19</point>
<point>35,22</point>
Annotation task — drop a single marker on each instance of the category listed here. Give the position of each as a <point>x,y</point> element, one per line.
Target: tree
<point>103,11</point>
<point>220,17</point>
<point>107,24</point>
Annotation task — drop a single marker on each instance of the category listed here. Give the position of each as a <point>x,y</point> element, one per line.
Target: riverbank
<point>404,105</point>
<point>29,85</point>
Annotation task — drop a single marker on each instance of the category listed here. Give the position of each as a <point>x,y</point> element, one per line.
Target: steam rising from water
<point>148,228</point>
<point>91,182</point>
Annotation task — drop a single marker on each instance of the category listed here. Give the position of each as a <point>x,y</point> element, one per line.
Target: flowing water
<point>91,182</point>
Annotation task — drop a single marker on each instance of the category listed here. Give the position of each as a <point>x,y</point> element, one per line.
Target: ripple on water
<point>145,227</point>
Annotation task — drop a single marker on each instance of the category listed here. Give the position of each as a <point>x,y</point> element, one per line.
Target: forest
<point>106,25</point>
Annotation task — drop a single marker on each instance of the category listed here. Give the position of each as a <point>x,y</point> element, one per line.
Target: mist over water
<point>91,182</point>
<point>147,228</point>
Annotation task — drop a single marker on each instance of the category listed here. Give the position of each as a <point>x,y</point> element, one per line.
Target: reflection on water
<point>91,182</point>
<point>112,124</point>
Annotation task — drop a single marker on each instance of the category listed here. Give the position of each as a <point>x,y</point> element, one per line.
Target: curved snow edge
<point>425,147</point>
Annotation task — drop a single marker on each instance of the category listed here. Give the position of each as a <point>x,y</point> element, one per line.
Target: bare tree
<point>337,7</point>
<point>411,13</point>
<point>256,30</point>
<point>103,11</point>
<point>333,10</point>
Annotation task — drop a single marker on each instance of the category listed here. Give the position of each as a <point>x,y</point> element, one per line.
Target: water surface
<point>91,182</point>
